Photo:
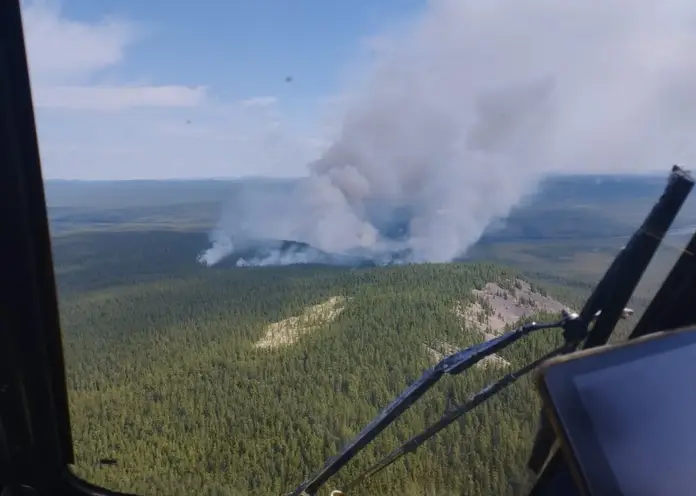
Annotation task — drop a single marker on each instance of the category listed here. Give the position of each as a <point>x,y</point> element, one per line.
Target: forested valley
<point>199,381</point>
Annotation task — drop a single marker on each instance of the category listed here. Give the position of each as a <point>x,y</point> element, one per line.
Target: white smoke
<point>467,108</point>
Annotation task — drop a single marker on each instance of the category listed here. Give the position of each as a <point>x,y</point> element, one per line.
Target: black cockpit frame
<point>36,446</point>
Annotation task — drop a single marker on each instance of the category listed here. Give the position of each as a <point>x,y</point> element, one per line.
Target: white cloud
<point>117,97</point>
<point>64,50</point>
<point>259,101</point>
<point>64,55</point>
<point>91,128</point>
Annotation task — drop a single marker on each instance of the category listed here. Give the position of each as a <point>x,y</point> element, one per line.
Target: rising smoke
<point>465,110</point>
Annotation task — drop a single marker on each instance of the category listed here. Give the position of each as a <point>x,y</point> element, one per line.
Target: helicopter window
<point>226,336</point>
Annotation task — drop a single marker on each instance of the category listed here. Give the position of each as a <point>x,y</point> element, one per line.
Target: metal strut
<point>612,293</point>
<point>474,400</point>
<point>451,365</point>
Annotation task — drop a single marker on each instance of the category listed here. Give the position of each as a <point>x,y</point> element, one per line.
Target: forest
<point>236,381</point>
<point>164,377</point>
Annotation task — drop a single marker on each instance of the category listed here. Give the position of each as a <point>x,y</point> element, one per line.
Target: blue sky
<point>133,88</point>
<point>142,89</point>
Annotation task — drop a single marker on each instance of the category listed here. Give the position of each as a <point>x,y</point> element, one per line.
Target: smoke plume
<point>462,113</point>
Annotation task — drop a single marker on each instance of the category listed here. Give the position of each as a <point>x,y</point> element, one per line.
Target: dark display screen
<point>643,416</point>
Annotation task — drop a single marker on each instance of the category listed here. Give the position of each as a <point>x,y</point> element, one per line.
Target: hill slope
<point>234,381</point>
<point>169,378</point>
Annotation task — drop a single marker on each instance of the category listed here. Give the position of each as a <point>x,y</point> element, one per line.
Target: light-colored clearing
<point>290,330</point>
<point>496,308</point>
<point>507,307</point>
<point>442,349</point>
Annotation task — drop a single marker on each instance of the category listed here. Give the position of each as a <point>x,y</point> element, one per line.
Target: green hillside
<point>236,381</point>
<point>168,377</point>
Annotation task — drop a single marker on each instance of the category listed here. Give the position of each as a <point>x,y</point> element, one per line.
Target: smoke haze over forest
<point>464,110</point>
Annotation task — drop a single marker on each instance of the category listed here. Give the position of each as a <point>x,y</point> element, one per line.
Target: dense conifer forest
<point>166,374</point>
<point>236,381</point>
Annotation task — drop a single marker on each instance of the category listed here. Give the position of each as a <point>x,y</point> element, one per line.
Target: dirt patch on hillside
<point>440,350</point>
<point>290,330</point>
<point>496,307</point>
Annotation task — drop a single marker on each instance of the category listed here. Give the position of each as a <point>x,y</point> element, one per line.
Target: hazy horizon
<point>646,174</point>
<point>447,113</point>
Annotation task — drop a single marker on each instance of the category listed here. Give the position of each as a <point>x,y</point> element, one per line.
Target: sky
<point>129,89</point>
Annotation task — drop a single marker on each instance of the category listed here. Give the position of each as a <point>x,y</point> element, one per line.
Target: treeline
<point>165,378</point>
